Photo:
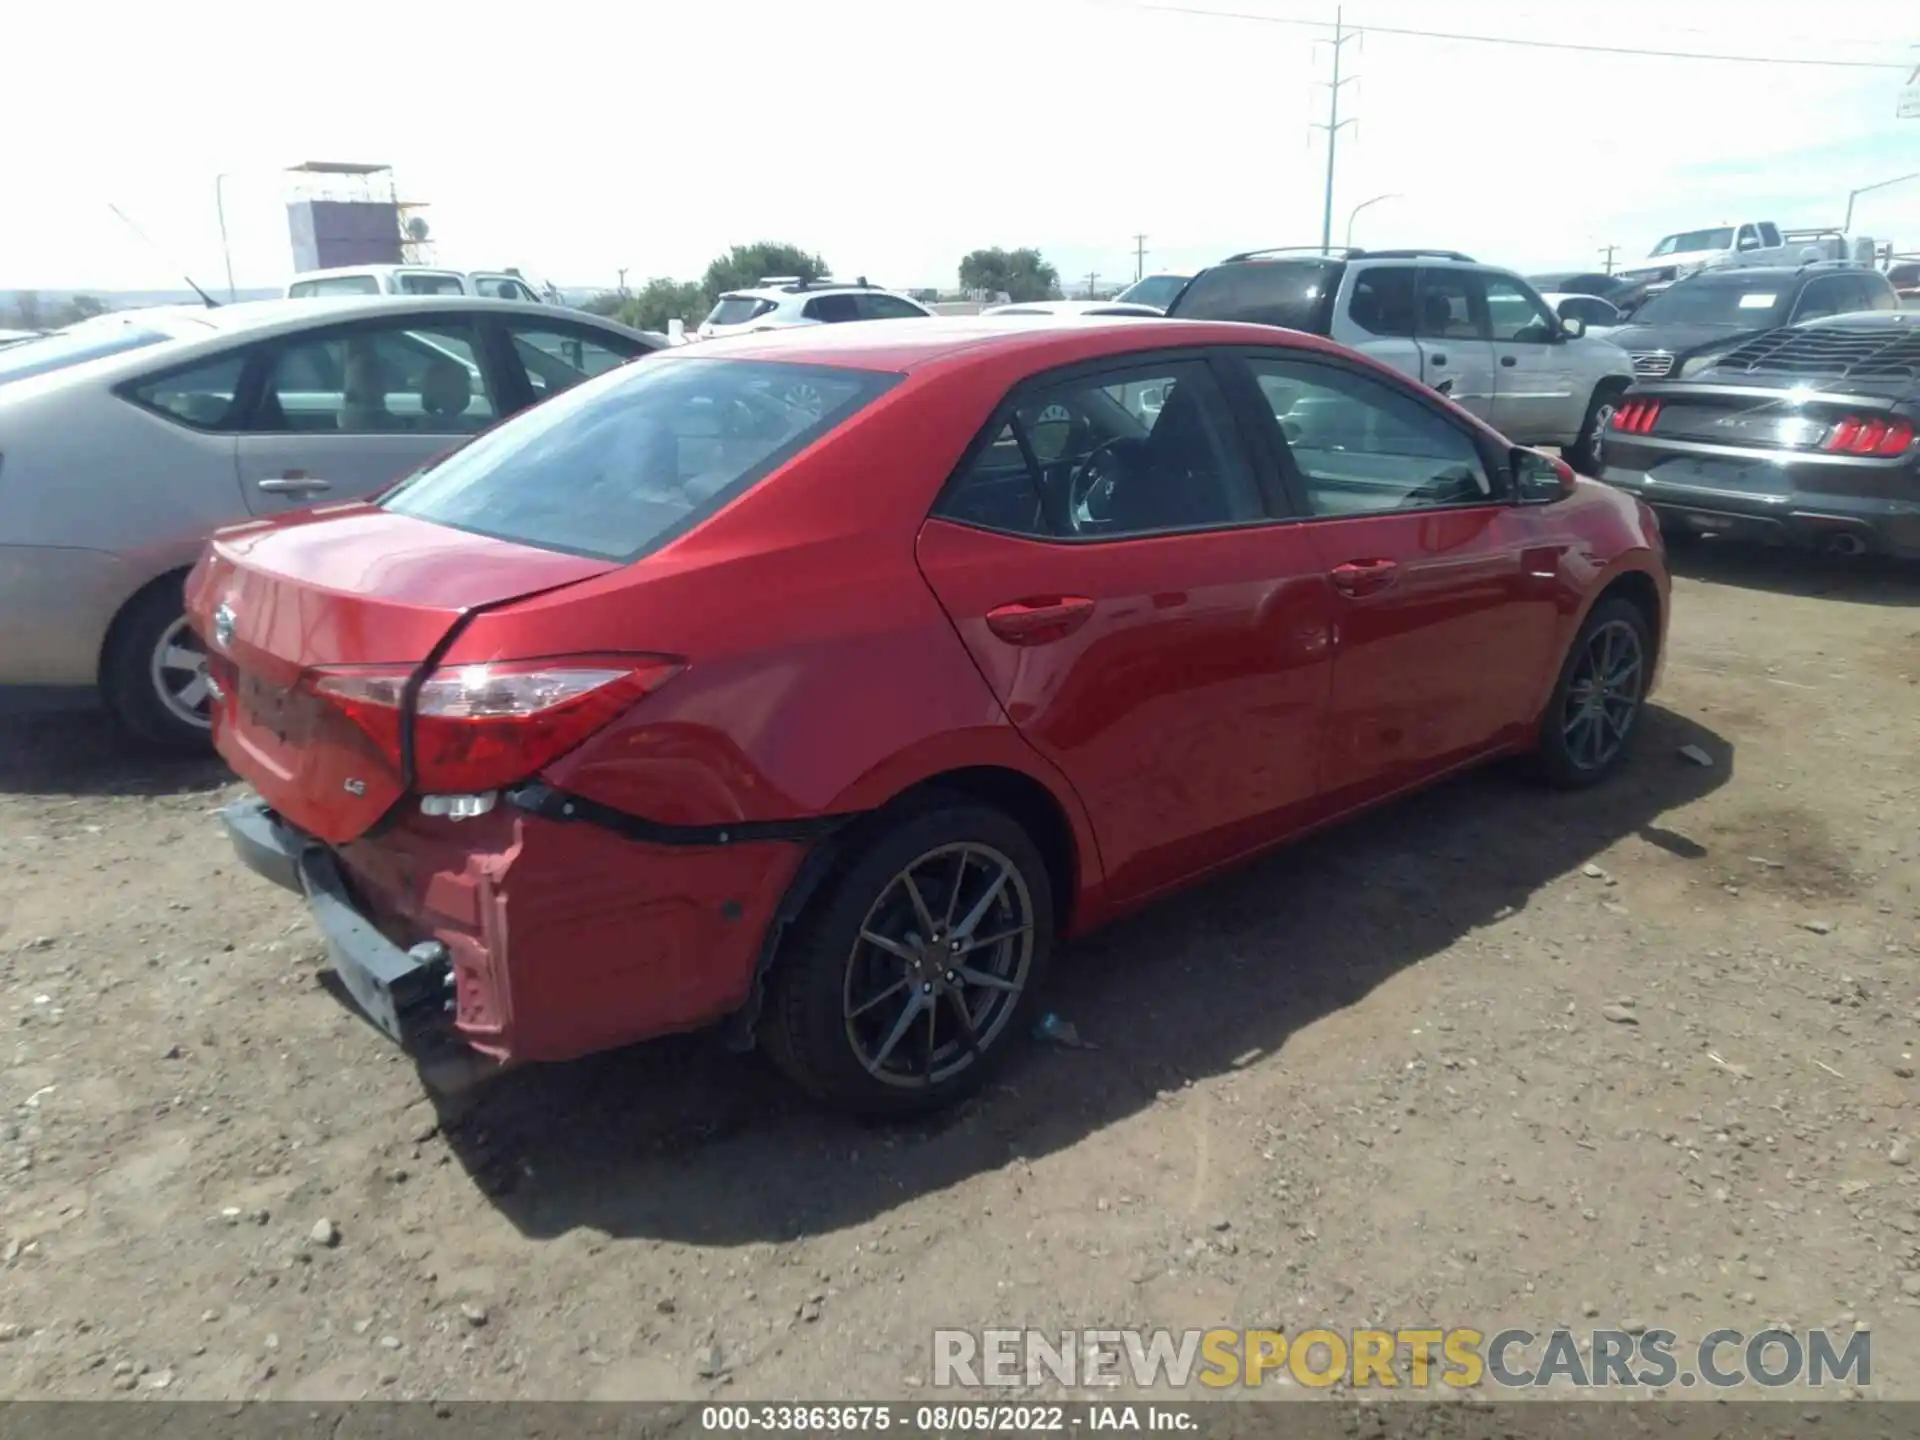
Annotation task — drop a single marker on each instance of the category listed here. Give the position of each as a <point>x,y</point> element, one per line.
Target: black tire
<point>806,1025</point>
<point>1588,452</point>
<point>128,679</point>
<point>1676,536</point>
<point>1569,760</point>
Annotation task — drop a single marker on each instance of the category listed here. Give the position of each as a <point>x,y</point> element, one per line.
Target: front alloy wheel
<point>1597,702</point>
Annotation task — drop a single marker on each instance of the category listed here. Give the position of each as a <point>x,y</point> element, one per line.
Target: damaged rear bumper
<point>404,992</point>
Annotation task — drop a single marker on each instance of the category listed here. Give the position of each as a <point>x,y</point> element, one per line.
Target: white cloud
<point>574,138</point>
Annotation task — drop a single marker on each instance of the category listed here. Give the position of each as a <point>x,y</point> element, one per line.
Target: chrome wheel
<point>939,965</point>
<point>806,398</point>
<point>178,670</point>
<point>1604,696</point>
<point>1597,442</point>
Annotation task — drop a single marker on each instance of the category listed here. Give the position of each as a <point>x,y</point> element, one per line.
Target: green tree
<point>607,302</point>
<point>81,307</point>
<point>745,266</point>
<point>1023,274</point>
<point>26,310</point>
<point>660,300</point>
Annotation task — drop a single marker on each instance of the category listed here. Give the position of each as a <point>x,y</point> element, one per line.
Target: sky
<point>893,136</point>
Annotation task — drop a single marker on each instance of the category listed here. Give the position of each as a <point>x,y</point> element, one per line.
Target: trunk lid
<point>278,601</point>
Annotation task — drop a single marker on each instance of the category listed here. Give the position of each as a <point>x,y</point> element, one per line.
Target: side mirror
<point>1748,242</point>
<point>1540,479</point>
<point>1572,326</point>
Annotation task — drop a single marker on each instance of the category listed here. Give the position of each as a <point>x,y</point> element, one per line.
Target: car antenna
<point>212,304</point>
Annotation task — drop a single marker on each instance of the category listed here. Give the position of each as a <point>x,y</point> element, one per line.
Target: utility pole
<point>1093,278</point>
<point>1606,253</point>
<point>1341,35</point>
<point>1139,257</point>
<point>622,273</point>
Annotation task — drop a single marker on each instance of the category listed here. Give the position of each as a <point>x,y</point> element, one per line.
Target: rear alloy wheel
<point>1590,722</point>
<point>154,673</point>
<point>1589,452</point>
<point>902,989</point>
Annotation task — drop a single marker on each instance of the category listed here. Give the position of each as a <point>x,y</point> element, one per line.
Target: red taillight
<point>1636,417</point>
<point>1870,435</point>
<point>479,727</point>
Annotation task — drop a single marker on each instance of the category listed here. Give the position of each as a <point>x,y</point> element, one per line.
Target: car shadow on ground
<point>1864,579</point>
<point>51,751</point>
<point>68,749</point>
<point>679,1140</point>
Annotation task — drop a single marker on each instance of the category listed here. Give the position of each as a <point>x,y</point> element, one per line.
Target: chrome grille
<point>1651,364</point>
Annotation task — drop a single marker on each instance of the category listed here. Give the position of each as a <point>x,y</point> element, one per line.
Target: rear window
<point>1295,294</point>
<point>622,464</point>
<point>57,351</point>
<point>738,309</point>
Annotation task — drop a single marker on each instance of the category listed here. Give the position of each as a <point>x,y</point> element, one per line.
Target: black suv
<point>1679,331</point>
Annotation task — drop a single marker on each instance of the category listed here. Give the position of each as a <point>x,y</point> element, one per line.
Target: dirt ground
<point>1371,1079</point>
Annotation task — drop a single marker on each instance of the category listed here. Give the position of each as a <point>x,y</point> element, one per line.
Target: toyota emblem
<point>223,626</point>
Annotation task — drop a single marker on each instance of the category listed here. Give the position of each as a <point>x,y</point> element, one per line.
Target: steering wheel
<point>1090,488</point>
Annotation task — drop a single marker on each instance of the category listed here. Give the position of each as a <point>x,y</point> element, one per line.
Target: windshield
<point>1690,240</point>
<point>620,465</point>
<point>1295,294</point>
<point>1754,304</point>
<point>1156,290</point>
<point>72,347</point>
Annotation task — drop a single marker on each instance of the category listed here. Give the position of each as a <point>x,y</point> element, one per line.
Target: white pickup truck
<point>1744,242</point>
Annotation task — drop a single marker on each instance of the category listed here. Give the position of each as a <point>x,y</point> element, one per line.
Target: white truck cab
<point>1744,242</point>
<point>411,280</point>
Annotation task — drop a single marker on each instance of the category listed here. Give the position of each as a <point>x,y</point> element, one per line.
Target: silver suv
<point>1479,335</point>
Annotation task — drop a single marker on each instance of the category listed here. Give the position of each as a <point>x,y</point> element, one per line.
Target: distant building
<point>344,215</point>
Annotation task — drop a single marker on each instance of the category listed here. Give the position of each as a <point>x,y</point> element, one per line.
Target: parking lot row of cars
<point>814,679</point>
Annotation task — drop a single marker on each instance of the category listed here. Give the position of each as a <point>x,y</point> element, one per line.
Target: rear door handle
<point>294,482</point>
<point>1041,620</point>
<point>1436,360</point>
<point>1509,361</point>
<point>1364,577</point>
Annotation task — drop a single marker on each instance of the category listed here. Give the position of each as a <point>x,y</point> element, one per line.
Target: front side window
<point>392,379</point>
<point>1361,448</point>
<point>1141,451</point>
<point>558,357</point>
<point>620,465</point>
<point>1452,306</point>
<point>1515,315</point>
<point>1822,298</point>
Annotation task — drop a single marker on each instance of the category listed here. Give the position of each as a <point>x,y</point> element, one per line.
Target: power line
<point>1531,44</point>
<point>1341,35</point>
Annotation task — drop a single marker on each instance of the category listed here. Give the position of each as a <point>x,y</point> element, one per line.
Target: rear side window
<point>621,465</point>
<point>832,309</point>
<point>334,285</point>
<point>888,307</point>
<point>206,396</point>
<point>1382,302</point>
<point>1294,294</point>
<point>432,285</point>
<point>738,309</point>
<point>1769,235</point>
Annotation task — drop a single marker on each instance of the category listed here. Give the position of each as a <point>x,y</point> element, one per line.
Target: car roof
<point>1042,341</point>
<point>379,269</point>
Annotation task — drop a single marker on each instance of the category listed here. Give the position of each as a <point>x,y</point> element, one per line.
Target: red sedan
<point>826,680</point>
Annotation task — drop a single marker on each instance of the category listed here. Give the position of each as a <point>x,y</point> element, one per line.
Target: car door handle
<point>294,482</point>
<point>1509,361</point>
<point>1437,359</point>
<point>1039,621</point>
<point>1364,577</point>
